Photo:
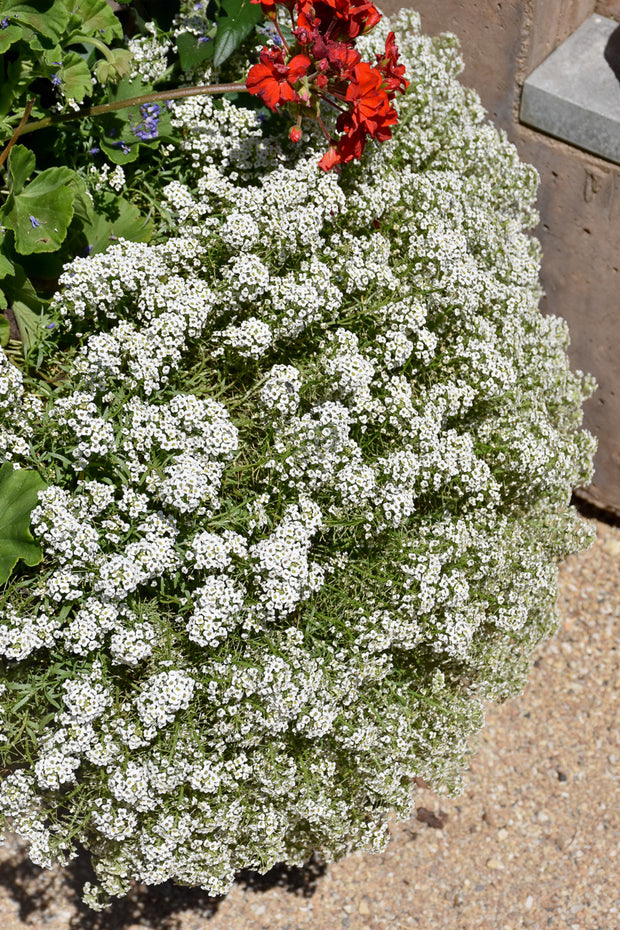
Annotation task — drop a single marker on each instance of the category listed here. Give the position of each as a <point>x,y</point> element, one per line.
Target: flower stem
<point>322,125</point>
<point>284,42</point>
<point>193,91</point>
<point>18,131</point>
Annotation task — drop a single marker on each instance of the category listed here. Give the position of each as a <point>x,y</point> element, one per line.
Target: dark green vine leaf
<point>40,214</point>
<point>241,17</point>
<point>19,491</point>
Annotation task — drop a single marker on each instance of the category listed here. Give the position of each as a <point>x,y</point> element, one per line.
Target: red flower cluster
<point>324,65</point>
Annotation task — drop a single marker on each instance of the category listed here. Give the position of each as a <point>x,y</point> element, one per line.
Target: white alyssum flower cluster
<point>149,56</point>
<point>309,475</point>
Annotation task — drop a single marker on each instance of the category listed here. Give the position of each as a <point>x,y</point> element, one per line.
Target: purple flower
<point>4,23</point>
<point>203,39</point>
<point>56,80</point>
<point>34,222</point>
<point>147,128</point>
<point>94,151</point>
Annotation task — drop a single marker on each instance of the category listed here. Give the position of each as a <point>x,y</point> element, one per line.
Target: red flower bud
<point>294,133</point>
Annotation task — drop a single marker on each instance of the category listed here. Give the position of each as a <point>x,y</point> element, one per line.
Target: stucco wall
<point>579,198</point>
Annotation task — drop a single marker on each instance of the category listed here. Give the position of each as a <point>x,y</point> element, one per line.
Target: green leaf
<point>82,201</point>
<point>21,164</point>
<point>48,17</point>
<point>40,215</point>
<point>116,218</point>
<point>117,66</point>
<point>5,328</point>
<point>10,89</point>
<point>8,36</point>
<point>19,491</point>
<point>75,77</point>
<point>27,307</point>
<point>6,266</point>
<point>232,29</point>
<point>95,17</point>
<point>3,303</point>
<point>114,151</point>
<point>192,52</point>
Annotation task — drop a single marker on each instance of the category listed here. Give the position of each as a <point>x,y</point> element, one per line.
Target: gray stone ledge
<point>574,94</point>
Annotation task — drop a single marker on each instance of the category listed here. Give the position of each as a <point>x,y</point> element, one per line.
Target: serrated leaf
<point>75,77</point>
<point>95,17</point>
<point>192,51</point>
<point>5,326</point>
<point>232,29</point>
<point>40,214</point>
<point>21,164</point>
<point>117,67</point>
<point>19,491</point>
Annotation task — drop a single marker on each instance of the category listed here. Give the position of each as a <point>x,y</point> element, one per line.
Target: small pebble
<point>494,864</point>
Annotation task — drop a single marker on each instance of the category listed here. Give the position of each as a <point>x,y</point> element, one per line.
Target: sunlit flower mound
<point>309,475</point>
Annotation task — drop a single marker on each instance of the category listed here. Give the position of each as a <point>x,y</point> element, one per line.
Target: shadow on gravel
<point>44,896</point>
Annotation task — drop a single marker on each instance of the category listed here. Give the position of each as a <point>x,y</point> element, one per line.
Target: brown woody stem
<point>20,129</point>
<point>179,92</point>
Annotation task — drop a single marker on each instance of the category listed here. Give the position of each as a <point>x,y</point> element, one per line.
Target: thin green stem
<point>175,94</point>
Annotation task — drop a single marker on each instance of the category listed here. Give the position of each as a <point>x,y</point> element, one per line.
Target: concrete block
<point>574,94</point>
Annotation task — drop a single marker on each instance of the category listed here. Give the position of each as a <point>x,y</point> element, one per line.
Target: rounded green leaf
<point>19,490</point>
<point>40,214</point>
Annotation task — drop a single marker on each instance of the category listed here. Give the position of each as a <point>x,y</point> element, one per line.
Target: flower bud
<point>294,133</point>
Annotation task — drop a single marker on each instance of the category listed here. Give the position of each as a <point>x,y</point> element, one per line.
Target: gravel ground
<point>532,843</point>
